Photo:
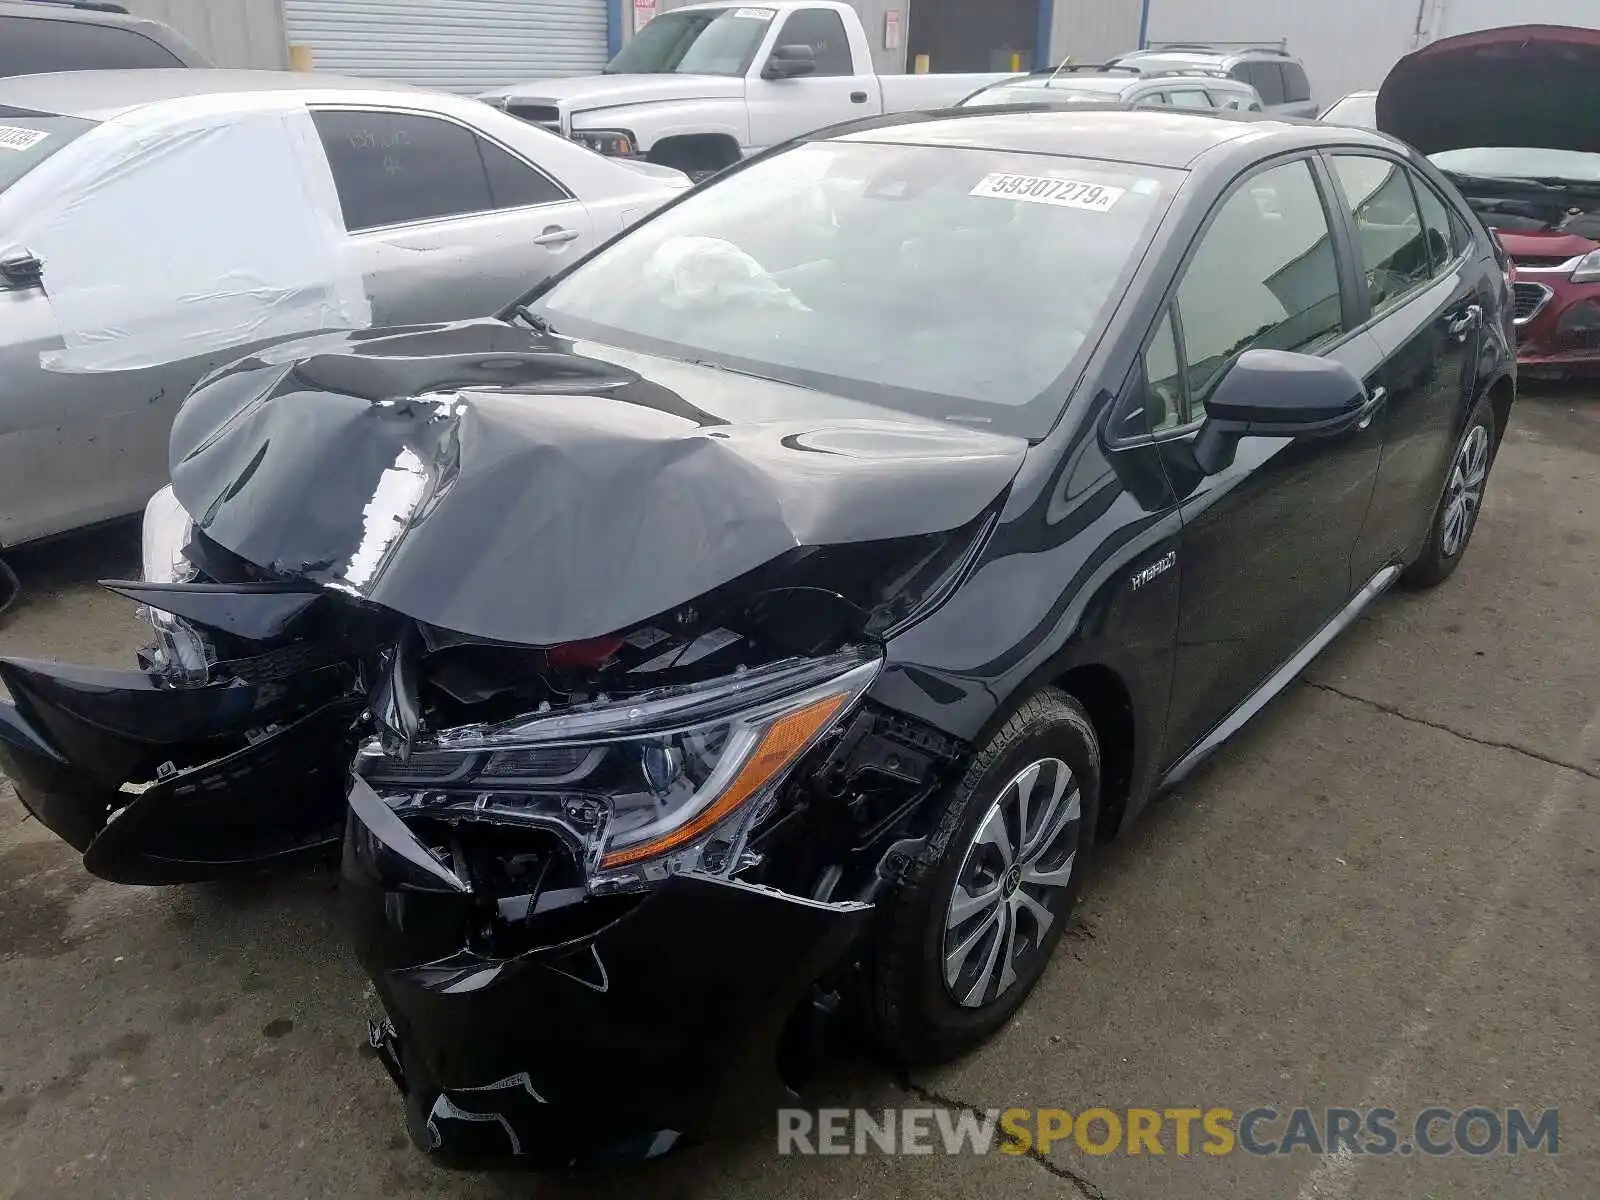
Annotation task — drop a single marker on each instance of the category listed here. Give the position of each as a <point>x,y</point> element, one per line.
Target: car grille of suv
<point>1531,299</point>
<point>545,116</point>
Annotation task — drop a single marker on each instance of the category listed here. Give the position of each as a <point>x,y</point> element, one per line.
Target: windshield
<point>1521,162</point>
<point>1360,110</point>
<point>954,283</point>
<point>714,41</point>
<point>1062,91</point>
<point>27,138</point>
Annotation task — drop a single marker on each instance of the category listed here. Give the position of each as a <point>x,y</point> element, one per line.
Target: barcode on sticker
<point>1049,189</point>
<point>14,138</point>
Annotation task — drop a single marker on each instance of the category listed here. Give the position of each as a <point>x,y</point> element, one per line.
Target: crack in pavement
<point>1492,743</point>
<point>1087,1187</point>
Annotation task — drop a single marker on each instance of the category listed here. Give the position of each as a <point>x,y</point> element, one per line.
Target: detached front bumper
<point>155,785</point>
<point>661,1023</point>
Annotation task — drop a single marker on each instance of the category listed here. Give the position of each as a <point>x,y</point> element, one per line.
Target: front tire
<point>1457,515</point>
<point>962,944</point>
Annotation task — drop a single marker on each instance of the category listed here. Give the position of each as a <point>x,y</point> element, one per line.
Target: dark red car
<point>1513,117</point>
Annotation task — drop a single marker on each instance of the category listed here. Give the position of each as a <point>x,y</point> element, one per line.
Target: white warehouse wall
<point>234,33</point>
<point>1093,30</point>
<point>1451,17</point>
<point>1346,44</point>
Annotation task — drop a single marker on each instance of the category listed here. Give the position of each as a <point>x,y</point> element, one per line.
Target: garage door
<point>457,45</point>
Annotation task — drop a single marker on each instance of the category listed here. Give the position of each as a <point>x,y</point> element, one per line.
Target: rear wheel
<point>1457,514</point>
<point>964,942</point>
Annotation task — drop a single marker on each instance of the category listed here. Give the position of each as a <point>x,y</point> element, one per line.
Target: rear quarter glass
<point>27,138</point>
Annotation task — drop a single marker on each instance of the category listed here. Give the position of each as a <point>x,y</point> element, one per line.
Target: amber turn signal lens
<point>779,746</point>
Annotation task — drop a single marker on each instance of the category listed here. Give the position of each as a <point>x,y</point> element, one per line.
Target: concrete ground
<point>1381,894</point>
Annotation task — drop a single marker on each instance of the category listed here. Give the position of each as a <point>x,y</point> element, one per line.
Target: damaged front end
<point>614,908</point>
<point>227,752</point>
<point>622,801</point>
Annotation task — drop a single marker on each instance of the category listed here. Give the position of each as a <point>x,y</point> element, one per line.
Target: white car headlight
<point>180,654</point>
<point>1588,268</point>
<point>166,533</point>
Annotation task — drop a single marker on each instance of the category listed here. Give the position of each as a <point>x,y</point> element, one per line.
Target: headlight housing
<point>669,781</point>
<point>179,653</point>
<point>614,143</point>
<point>1588,268</point>
<point>164,537</point>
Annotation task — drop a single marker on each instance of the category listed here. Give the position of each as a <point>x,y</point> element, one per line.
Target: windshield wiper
<point>534,321</point>
<point>716,366</point>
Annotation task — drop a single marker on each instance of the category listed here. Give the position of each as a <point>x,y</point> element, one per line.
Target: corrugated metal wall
<point>1093,30</point>
<point>235,33</point>
<point>873,13</point>
<point>456,45</point>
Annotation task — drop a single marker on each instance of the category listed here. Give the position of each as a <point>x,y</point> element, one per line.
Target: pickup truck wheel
<point>964,940</point>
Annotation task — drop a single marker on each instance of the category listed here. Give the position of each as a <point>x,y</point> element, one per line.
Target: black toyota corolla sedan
<point>763,621</point>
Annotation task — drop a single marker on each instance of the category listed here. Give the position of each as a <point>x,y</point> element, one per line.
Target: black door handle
<point>858,97</point>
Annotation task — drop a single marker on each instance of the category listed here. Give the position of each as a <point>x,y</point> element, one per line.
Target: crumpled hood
<point>587,92</point>
<point>1526,85</point>
<point>522,488</point>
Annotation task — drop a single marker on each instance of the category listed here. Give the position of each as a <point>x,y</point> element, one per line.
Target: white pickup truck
<point>701,87</point>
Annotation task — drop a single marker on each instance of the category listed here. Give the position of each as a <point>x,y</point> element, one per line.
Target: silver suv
<point>1277,75</point>
<point>1135,84</point>
<point>41,36</point>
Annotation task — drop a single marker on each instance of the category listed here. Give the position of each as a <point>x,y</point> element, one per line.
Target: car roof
<point>78,15</point>
<point>1087,81</point>
<point>101,95</point>
<point>1113,132</point>
<point>1200,52</point>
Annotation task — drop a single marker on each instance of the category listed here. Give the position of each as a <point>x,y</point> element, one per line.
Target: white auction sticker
<point>13,137</point>
<point>754,14</point>
<point>1049,189</point>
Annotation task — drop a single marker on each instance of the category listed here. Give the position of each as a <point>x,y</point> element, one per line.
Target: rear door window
<point>394,168</point>
<point>1388,228</point>
<point>1189,98</point>
<point>1442,249</point>
<point>27,138</point>
<point>1265,77</point>
<point>34,45</point>
<point>1296,87</point>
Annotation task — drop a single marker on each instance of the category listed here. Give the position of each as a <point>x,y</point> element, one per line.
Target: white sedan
<point>155,225</point>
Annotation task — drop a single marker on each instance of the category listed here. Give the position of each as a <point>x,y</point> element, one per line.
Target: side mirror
<point>790,62</point>
<point>1275,393</point>
<point>22,271</point>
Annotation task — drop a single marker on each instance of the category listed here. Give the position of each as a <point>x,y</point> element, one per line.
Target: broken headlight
<point>164,538</point>
<point>668,781</point>
<point>179,653</point>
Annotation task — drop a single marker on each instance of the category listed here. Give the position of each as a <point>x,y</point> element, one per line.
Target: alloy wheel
<point>1020,859</point>
<point>1464,493</point>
